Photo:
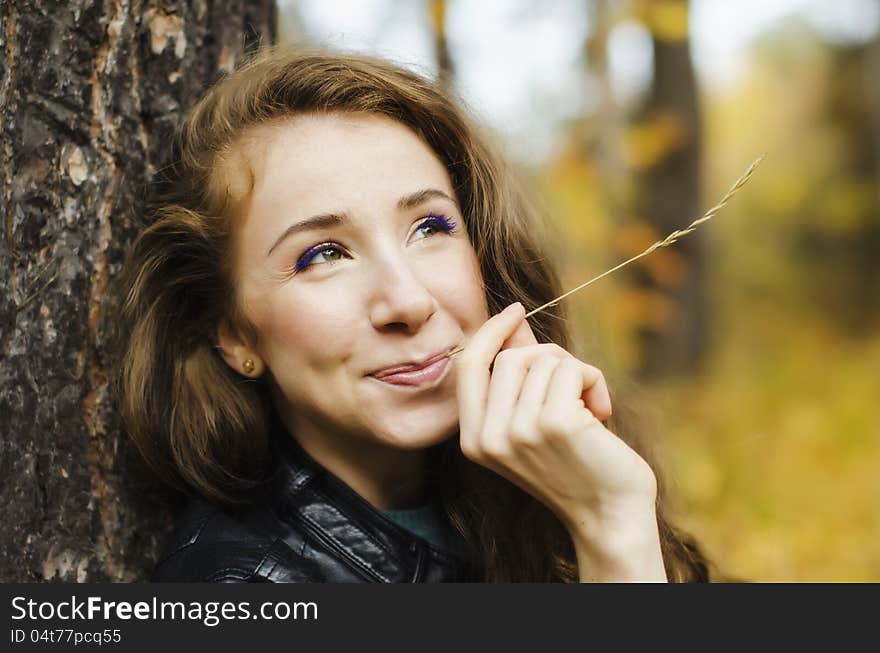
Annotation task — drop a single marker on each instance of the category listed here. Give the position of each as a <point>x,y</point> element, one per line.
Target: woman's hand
<point>531,412</point>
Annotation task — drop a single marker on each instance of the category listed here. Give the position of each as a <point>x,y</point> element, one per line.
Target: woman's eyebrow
<point>414,199</point>
<point>315,222</point>
<point>325,220</point>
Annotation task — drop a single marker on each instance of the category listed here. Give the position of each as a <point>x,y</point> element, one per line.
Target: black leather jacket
<point>311,528</point>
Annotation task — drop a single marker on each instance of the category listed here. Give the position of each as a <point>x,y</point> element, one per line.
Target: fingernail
<point>513,308</point>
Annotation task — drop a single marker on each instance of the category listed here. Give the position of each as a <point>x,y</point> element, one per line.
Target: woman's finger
<point>508,371</point>
<point>596,396</point>
<point>572,381</point>
<point>473,369</point>
<point>522,337</point>
<point>531,399</point>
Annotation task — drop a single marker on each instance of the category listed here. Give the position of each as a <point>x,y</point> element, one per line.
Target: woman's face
<point>352,257</point>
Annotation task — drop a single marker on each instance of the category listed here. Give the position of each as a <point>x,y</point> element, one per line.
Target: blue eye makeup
<point>305,260</point>
<point>439,222</point>
<point>432,224</point>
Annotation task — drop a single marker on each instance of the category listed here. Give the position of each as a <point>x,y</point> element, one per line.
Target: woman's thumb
<point>521,337</point>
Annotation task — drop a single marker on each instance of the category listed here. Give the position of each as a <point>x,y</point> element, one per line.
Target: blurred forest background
<point>750,349</point>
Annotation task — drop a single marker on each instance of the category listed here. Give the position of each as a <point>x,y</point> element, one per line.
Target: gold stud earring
<point>248,366</point>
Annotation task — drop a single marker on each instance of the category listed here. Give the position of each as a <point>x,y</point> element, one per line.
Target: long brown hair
<point>202,427</point>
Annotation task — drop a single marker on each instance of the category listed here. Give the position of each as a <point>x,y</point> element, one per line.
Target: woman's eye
<point>436,223</point>
<point>319,254</point>
<point>329,253</point>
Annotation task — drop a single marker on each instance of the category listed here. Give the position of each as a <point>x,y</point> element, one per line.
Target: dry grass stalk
<point>669,240</point>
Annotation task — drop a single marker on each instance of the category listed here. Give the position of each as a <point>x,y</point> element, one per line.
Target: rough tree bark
<point>89,93</point>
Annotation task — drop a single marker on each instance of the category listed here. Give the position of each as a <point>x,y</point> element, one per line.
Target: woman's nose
<point>400,298</point>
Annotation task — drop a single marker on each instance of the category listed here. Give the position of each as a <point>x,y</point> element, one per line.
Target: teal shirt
<point>427,523</point>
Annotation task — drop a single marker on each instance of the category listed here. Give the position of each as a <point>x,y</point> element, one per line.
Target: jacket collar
<point>308,494</point>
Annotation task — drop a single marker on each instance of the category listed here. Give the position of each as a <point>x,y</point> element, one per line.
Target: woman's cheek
<point>310,326</point>
<point>468,292</point>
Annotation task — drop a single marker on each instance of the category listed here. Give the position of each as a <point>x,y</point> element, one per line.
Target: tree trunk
<point>669,200</point>
<point>90,91</point>
<point>840,241</point>
<point>445,68</point>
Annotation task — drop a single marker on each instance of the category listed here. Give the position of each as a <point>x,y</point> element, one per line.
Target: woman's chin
<point>420,435</point>
<point>413,427</point>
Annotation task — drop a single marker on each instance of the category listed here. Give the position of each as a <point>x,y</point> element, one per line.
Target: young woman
<point>330,228</point>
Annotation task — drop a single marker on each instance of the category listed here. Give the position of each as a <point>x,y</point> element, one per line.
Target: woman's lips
<point>424,376</point>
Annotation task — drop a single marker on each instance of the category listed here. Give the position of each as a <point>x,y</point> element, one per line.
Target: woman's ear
<point>237,353</point>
